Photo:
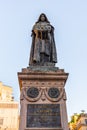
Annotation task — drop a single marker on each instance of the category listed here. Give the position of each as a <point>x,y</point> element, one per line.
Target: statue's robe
<point>43,43</point>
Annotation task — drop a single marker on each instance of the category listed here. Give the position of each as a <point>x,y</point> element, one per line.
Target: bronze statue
<point>43,49</point>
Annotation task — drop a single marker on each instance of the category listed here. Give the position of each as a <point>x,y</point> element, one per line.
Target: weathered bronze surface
<point>32,92</point>
<point>43,49</point>
<point>53,92</point>
<point>43,115</point>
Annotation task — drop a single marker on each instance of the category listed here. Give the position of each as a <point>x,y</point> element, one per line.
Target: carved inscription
<point>43,115</point>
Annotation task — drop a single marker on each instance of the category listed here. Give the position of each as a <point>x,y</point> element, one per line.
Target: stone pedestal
<point>43,99</point>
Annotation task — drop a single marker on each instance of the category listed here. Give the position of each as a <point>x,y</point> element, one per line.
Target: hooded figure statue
<point>43,49</point>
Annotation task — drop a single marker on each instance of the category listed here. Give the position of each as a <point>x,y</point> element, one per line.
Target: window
<point>86,121</point>
<point>1,121</point>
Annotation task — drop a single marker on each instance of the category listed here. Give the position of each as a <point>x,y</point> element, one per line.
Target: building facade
<point>82,122</point>
<point>78,122</point>
<point>8,109</point>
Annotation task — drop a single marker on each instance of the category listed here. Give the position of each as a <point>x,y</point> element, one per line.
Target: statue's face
<point>42,18</point>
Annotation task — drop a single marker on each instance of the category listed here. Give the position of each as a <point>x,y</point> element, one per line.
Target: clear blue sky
<point>69,17</point>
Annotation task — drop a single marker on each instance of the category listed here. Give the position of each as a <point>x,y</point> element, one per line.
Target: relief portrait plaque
<point>43,115</point>
<point>32,92</point>
<point>53,92</point>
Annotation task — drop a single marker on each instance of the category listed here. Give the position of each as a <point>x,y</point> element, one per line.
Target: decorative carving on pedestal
<point>33,94</point>
<point>54,94</point>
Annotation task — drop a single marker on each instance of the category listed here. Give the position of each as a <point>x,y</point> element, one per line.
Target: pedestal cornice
<point>28,74</point>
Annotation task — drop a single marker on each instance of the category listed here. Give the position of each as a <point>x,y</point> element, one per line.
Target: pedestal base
<point>43,99</point>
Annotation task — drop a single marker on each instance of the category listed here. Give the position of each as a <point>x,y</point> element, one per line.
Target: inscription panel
<point>43,115</point>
